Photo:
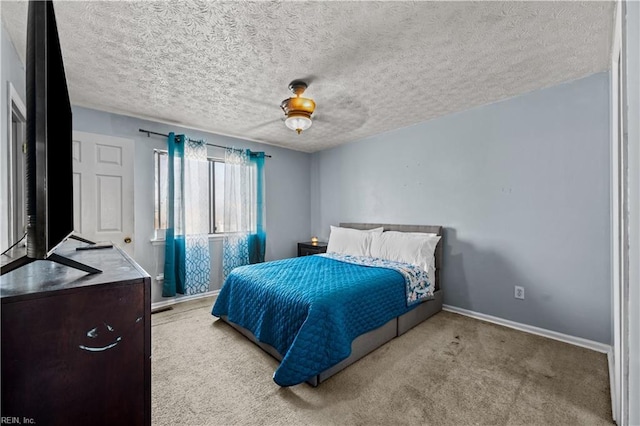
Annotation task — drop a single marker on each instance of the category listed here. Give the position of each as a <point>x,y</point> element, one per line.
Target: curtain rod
<point>149,133</point>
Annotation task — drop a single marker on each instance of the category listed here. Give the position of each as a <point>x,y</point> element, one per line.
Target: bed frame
<point>370,341</point>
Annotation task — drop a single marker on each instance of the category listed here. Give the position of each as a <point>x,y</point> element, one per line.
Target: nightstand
<point>305,249</point>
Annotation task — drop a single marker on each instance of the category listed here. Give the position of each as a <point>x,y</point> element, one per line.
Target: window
<point>216,193</point>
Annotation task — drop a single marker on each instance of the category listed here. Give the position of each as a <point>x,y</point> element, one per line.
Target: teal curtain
<point>258,240</point>
<point>174,253</point>
<point>244,223</point>
<point>187,266</point>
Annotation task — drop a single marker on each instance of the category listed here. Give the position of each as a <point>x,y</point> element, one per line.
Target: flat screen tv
<point>49,163</point>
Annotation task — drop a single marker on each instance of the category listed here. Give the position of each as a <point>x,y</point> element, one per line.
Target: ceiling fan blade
<point>259,102</point>
<point>354,115</point>
<point>264,124</point>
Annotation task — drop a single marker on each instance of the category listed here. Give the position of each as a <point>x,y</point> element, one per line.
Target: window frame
<point>157,222</point>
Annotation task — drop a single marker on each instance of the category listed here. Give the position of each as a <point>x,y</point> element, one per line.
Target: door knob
<point>127,240</point>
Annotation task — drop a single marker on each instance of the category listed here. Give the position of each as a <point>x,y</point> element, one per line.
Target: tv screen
<point>49,162</point>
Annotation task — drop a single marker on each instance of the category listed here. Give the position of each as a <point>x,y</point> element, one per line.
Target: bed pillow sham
<point>351,241</point>
<point>414,248</point>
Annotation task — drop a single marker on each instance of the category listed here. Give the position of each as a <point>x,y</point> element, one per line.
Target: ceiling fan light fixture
<point>298,109</point>
<point>298,122</point>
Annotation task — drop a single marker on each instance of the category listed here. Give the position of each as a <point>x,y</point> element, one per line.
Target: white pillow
<point>351,241</point>
<point>414,248</point>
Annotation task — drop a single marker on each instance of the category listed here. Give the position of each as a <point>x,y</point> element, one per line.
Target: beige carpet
<point>448,370</point>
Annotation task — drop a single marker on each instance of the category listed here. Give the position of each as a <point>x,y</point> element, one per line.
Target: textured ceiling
<point>372,66</point>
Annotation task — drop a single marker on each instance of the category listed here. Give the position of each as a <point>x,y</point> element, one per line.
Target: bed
<point>314,341</point>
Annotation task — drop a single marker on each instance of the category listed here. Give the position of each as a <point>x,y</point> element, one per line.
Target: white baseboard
<point>577,341</point>
<point>612,382</point>
<point>180,299</point>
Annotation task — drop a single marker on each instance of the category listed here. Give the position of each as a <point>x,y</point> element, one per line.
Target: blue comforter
<point>310,308</point>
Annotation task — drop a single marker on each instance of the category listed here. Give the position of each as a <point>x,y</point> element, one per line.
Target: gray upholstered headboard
<point>432,229</point>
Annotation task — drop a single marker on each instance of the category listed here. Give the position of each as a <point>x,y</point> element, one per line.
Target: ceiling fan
<point>297,109</point>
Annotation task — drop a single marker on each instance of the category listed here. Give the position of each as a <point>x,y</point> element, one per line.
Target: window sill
<point>157,241</point>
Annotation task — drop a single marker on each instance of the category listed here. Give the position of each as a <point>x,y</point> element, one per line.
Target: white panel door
<point>103,189</point>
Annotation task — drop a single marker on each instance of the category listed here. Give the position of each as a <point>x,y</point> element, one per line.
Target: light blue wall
<point>287,181</point>
<point>522,187</point>
<point>12,70</point>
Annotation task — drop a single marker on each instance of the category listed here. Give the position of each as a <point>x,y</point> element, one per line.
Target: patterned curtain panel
<point>245,236</point>
<point>187,266</point>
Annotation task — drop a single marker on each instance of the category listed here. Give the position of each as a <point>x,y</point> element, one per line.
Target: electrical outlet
<point>519,292</point>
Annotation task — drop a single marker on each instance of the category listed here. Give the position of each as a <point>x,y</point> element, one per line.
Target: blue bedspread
<point>310,309</point>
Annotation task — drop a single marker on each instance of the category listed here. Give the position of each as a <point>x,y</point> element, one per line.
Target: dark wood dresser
<point>76,348</point>
<point>306,249</point>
